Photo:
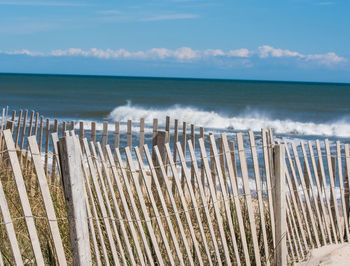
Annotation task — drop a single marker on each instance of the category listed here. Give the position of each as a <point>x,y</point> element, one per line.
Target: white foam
<point>248,121</point>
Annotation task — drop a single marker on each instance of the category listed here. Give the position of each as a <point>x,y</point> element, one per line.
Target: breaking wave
<point>247,121</point>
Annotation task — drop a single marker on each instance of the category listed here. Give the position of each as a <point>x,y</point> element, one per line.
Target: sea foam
<point>247,121</point>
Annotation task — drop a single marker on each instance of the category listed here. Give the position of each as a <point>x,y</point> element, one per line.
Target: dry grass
<point>38,210</point>
<point>37,206</point>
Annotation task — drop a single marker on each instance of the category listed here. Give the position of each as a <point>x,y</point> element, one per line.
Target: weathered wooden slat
<point>184,136</point>
<point>311,188</point>
<point>23,133</point>
<point>347,176</point>
<point>89,195</point>
<point>93,132</point>
<point>222,161</point>
<point>48,204</point>
<point>320,194</point>
<point>156,212</point>
<point>2,260</point>
<point>10,230</point>
<point>13,115</point>
<point>116,135</point>
<point>325,187</point>
<point>235,195</point>
<point>54,138</point>
<point>297,191</point>
<point>126,209</point>
<point>295,234</point>
<point>3,123</point>
<point>201,135</point>
<point>332,187</point>
<point>106,197</point>
<point>155,129</point>
<point>212,189</point>
<point>47,143</point>
<point>341,188</point>
<point>54,156</point>
<point>23,197</point>
<point>64,128</point>
<point>142,136</point>
<point>268,183</point>
<point>297,212</point>
<point>291,256</point>
<point>189,182</point>
<point>144,210</point>
<point>74,192</point>
<point>306,194</point>
<point>91,224</point>
<point>172,201</point>
<point>193,141</point>
<point>176,139</point>
<point>71,125</point>
<point>93,234</point>
<point>81,130</point>
<point>134,208</point>
<point>160,140</point>
<point>165,209</point>
<point>281,252</point>
<point>29,134</point>
<point>259,193</point>
<point>41,132</point>
<point>18,127</point>
<point>115,205</point>
<point>100,202</point>
<point>225,198</point>
<point>129,134</point>
<point>233,155</point>
<point>104,135</point>
<point>198,178</point>
<point>248,198</point>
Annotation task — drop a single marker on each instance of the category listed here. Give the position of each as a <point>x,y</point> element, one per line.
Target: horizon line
<point>170,77</point>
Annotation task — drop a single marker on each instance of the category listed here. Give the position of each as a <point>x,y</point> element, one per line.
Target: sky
<point>298,40</point>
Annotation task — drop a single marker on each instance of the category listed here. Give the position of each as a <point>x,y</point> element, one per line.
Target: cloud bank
<point>187,54</point>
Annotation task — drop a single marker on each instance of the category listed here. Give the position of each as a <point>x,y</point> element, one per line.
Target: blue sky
<point>275,40</point>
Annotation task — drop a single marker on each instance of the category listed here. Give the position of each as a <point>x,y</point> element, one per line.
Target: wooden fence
<point>247,200</point>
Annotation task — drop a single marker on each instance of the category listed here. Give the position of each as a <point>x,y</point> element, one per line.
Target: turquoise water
<point>291,108</point>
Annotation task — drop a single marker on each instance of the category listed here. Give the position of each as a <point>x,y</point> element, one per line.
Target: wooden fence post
<point>142,136</point>
<point>73,184</point>
<point>10,125</point>
<point>93,132</point>
<point>129,134</point>
<point>281,252</point>
<point>104,136</point>
<point>160,140</point>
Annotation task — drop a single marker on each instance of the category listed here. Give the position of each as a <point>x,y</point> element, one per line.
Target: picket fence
<point>80,201</point>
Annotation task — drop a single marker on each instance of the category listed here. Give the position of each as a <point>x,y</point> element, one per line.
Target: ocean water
<point>296,110</point>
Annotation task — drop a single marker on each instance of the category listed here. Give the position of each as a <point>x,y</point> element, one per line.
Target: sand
<point>337,254</point>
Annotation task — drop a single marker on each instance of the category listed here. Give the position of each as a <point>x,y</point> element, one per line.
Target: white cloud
<point>239,53</point>
<point>214,52</point>
<point>268,51</point>
<point>24,52</point>
<point>325,59</point>
<point>99,53</point>
<point>187,54</point>
<point>160,53</point>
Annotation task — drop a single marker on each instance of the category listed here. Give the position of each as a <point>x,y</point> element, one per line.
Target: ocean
<point>295,110</point>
